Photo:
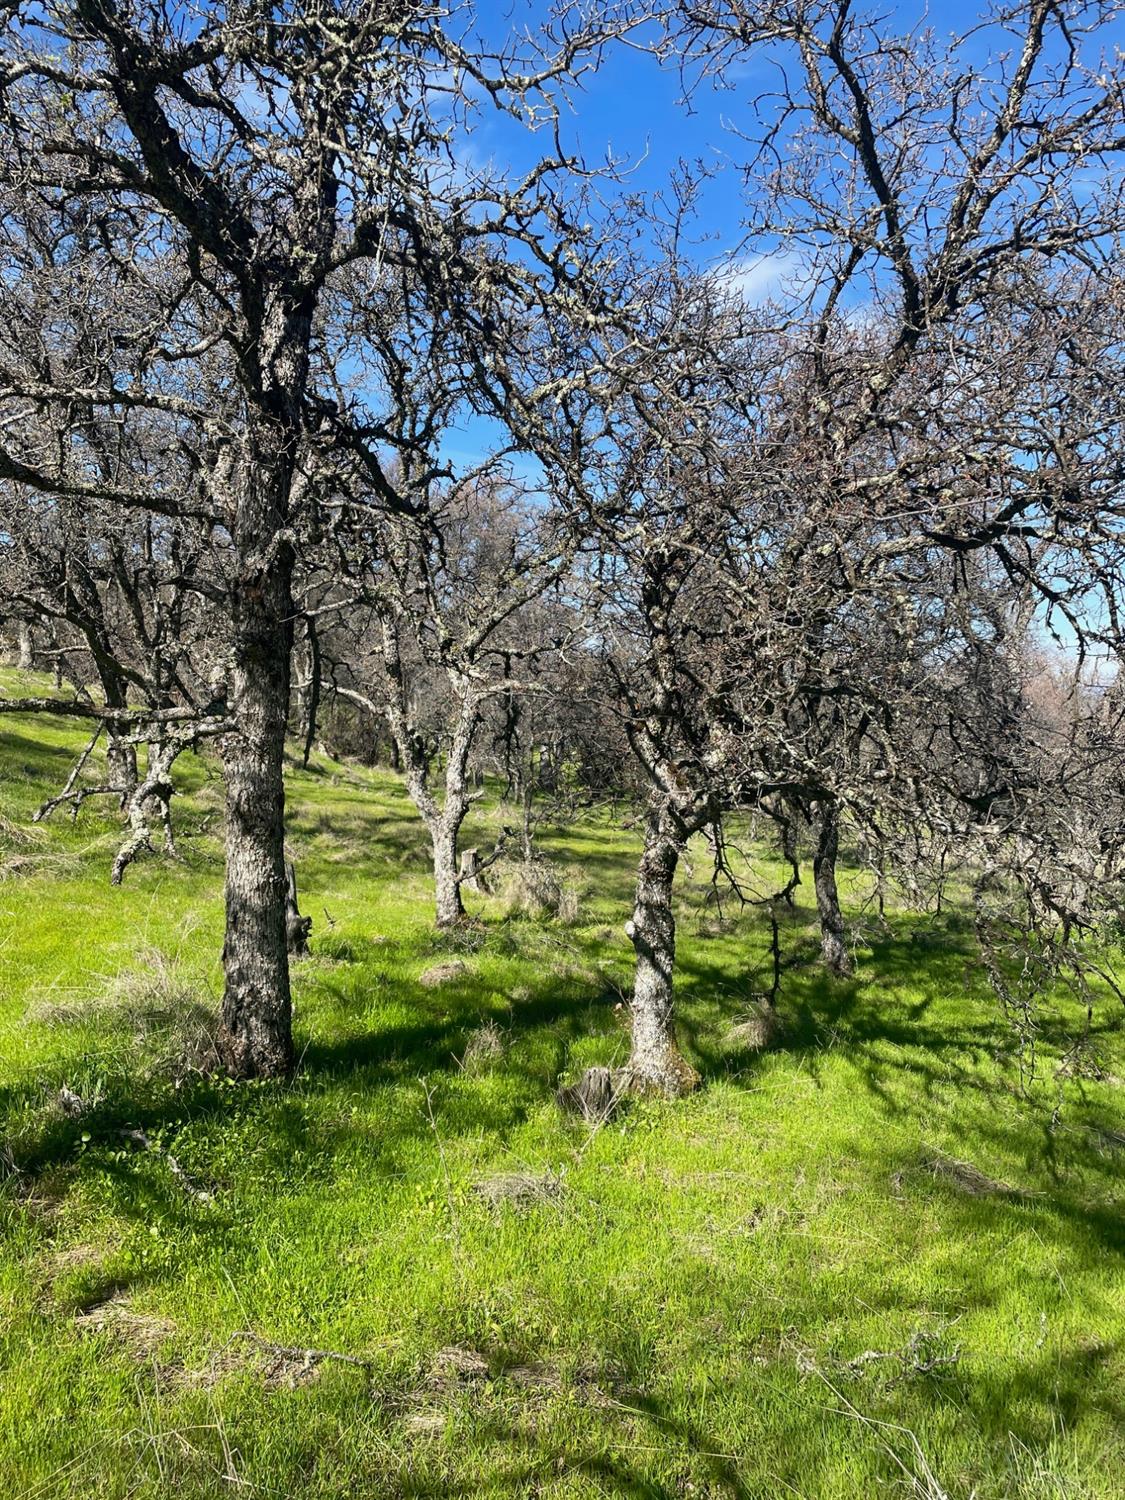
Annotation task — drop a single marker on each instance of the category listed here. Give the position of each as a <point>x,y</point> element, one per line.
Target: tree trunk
<point>26,649</point>
<point>255,1028</point>
<point>656,1064</point>
<point>448,904</point>
<point>121,766</point>
<point>148,799</point>
<point>471,876</point>
<point>255,1036</point>
<point>832,945</point>
<point>790,851</point>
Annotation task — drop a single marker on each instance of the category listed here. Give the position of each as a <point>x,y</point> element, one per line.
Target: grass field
<point>874,1259</point>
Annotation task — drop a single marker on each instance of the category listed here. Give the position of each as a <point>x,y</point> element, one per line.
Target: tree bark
<point>26,650</point>
<point>151,797</point>
<point>121,765</point>
<point>469,871</point>
<point>255,1038</point>
<point>449,908</point>
<point>832,944</point>
<point>656,1063</point>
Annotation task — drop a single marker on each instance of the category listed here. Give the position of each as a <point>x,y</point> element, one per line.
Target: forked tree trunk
<point>150,799</point>
<point>833,947</point>
<point>656,1063</point>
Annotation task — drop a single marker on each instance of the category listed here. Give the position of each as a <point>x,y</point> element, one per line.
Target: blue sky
<point>631,109</point>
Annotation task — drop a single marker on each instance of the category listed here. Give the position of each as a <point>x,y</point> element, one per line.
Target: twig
<point>308,1357</point>
<point>189,1185</point>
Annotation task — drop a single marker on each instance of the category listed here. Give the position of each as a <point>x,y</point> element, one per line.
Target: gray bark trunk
<point>255,1029</point>
<point>832,932</point>
<point>449,908</point>
<point>121,766</point>
<point>26,657</point>
<point>656,1063</point>
<point>471,876</point>
<point>149,799</point>
<point>255,1037</point>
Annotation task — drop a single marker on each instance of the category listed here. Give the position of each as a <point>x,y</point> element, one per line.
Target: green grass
<point>685,1317</point>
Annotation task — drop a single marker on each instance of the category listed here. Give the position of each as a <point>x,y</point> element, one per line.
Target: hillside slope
<point>876,1258</point>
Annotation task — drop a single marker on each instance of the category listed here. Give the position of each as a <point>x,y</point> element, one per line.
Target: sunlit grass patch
<point>869,1256</point>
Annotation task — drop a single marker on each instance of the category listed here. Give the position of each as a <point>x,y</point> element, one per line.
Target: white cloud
<point>761,277</point>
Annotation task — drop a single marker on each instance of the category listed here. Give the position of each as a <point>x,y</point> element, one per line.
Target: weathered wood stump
<point>297,927</point>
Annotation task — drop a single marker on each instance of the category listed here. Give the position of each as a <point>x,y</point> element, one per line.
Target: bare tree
<point>941,384</point>
<point>239,170</point>
<point>447,630</point>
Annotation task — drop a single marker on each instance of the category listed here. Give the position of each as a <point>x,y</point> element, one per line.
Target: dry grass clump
<point>145,1337</point>
<point>967,1177</point>
<point>32,858</point>
<point>455,1366</point>
<point>756,1031</point>
<point>595,1096</point>
<point>20,834</point>
<point>522,1190</point>
<point>485,1045</point>
<point>443,973</point>
<point>161,1005</point>
<point>141,1334</point>
<point>535,888</point>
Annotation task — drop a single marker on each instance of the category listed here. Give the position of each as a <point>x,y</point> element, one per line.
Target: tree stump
<point>297,927</point>
<point>470,875</point>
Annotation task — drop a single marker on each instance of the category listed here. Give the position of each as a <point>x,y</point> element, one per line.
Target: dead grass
<point>970,1179</point>
<point>443,973</point>
<point>535,888</point>
<point>485,1045</point>
<point>163,1007</point>
<point>756,1031</point>
<point>522,1190</point>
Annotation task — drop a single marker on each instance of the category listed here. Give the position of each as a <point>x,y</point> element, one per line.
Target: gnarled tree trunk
<point>656,1063</point>
<point>832,944</point>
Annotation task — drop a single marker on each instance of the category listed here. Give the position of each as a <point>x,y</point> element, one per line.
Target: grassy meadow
<point>877,1258</point>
